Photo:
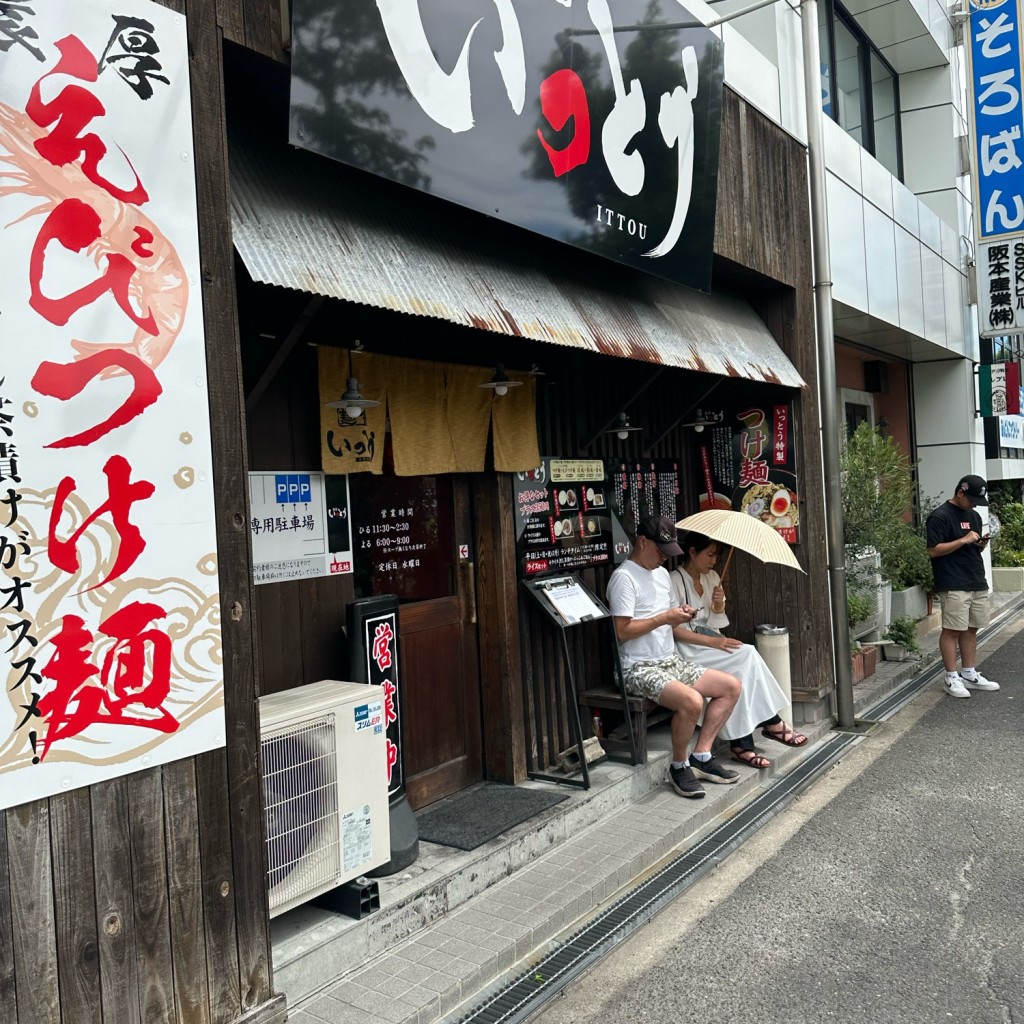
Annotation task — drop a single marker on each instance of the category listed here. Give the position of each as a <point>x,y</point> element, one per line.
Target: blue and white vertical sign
<point>995,85</point>
<point>288,523</point>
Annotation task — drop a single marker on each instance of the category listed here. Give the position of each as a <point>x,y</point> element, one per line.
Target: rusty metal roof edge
<point>295,227</point>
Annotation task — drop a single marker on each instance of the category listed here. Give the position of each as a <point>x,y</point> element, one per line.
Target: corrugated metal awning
<point>303,222</point>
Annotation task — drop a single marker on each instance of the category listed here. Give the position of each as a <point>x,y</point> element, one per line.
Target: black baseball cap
<point>973,488</point>
<point>662,531</point>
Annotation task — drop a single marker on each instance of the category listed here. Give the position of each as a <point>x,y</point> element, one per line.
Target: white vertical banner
<point>109,605</point>
<point>994,84</point>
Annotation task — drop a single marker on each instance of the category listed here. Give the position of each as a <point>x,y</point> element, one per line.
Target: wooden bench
<point>644,713</point>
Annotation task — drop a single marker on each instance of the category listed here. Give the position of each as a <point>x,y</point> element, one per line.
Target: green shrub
<point>877,487</point>
<point>903,631</point>
<point>905,560</point>
<point>859,607</point>
<point>1008,545</point>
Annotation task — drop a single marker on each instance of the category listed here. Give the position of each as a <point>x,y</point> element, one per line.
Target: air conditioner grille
<point>301,787</point>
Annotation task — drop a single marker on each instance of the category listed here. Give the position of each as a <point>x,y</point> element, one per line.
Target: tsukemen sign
<point>593,123</point>
<point>110,613</point>
<point>749,464</point>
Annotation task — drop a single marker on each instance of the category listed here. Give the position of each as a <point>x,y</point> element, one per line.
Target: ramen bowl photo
<point>715,500</point>
<point>772,503</point>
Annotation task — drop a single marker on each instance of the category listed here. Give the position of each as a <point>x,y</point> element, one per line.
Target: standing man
<point>955,542</point>
<point>647,619</point>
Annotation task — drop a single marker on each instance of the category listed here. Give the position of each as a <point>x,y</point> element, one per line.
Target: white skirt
<point>760,698</point>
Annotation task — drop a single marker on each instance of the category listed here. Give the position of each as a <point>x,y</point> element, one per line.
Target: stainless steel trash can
<point>772,643</point>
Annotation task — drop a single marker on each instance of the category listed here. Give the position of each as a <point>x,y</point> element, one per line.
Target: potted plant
<point>902,634</point>
<point>878,501</point>
<point>859,606</point>
<point>905,561</point>
<point>1008,548</point>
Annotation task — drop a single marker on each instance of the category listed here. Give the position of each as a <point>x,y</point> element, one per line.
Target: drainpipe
<point>822,267</point>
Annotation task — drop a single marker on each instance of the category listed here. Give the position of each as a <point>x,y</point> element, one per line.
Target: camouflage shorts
<point>648,678</point>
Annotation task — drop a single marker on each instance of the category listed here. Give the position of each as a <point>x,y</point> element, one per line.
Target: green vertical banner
<point>999,389</point>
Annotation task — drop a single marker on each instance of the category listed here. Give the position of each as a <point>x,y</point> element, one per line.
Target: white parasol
<point>742,531</point>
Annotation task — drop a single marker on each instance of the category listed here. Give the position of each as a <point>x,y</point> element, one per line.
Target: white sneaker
<point>979,682</point>
<point>955,687</point>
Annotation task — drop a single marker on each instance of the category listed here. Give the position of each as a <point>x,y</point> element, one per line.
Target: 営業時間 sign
<point>592,123</point>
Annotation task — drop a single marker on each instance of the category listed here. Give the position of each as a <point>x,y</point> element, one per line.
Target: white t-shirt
<point>638,593</point>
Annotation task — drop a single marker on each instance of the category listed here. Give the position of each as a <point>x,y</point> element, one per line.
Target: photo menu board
<point>563,516</point>
<point>643,487</point>
<point>749,464</point>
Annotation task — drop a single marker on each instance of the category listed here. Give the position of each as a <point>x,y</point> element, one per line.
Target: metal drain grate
<point>527,993</point>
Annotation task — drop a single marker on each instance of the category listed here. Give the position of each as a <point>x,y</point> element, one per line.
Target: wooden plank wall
<point>143,899</point>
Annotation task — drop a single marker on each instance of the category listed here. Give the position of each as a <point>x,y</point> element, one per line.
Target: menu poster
<point>563,516</point>
<point>573,602</point>
<point>641,488</point>
<point>748,464</point>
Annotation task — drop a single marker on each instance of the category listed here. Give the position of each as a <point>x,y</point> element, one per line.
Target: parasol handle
<point>728,559</point>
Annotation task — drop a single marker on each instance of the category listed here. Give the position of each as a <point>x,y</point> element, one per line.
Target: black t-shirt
<point>963,568</point>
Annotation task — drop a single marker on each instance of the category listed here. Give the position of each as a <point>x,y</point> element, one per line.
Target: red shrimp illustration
<point>158,286</point>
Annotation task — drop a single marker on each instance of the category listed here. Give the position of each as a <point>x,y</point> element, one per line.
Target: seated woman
<point>697,584</point>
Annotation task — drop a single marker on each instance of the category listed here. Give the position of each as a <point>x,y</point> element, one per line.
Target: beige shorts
<point>964,609</point>
<point>648,678</point>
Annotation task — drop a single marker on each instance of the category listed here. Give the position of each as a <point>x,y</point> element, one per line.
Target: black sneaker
<point>714,772</point>
<point>685,783</point>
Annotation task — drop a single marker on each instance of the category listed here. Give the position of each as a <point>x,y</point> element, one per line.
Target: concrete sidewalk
<point>458,926</point>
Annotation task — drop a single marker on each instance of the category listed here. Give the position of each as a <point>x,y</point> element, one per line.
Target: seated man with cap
<point>647,623</point>
<point>956,539</point>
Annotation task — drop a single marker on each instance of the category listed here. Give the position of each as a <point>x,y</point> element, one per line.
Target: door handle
<point>471,591</point>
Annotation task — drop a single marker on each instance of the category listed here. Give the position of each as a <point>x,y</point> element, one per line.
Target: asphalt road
<point>892,891</point>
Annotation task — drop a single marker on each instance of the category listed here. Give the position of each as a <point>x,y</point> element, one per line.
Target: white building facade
<point>899,210</point>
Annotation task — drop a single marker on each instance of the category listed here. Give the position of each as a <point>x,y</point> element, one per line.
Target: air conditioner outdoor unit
<point>325,785</point>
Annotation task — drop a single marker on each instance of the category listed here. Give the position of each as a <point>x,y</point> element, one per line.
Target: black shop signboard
<point>596,124</point>
<point>573,514</point>
<point>563,516</point>
<point>748,464</point>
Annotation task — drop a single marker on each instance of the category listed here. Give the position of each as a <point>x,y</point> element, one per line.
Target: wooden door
<point>441,700</point>
<point>408,543</point>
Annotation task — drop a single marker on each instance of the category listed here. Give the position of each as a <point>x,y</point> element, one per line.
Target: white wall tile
<point>950,244</point>
<point>954,290</point>
<point>931,233</point>
<point>933,297</point>
<point>846,233</point>
<point>945,205</point>
<point>751,74</point>
<point>923,51</point>
<point>930,154</point>
<point>908,281</point>
<point>927,88</point>
<point>944,406</point>
<point>880,259</point>
<point>842,154</point>
<point>877,182</point>
<point>906,208</point>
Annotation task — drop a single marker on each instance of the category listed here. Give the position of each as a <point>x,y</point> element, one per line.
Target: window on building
<point>860,91</point>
